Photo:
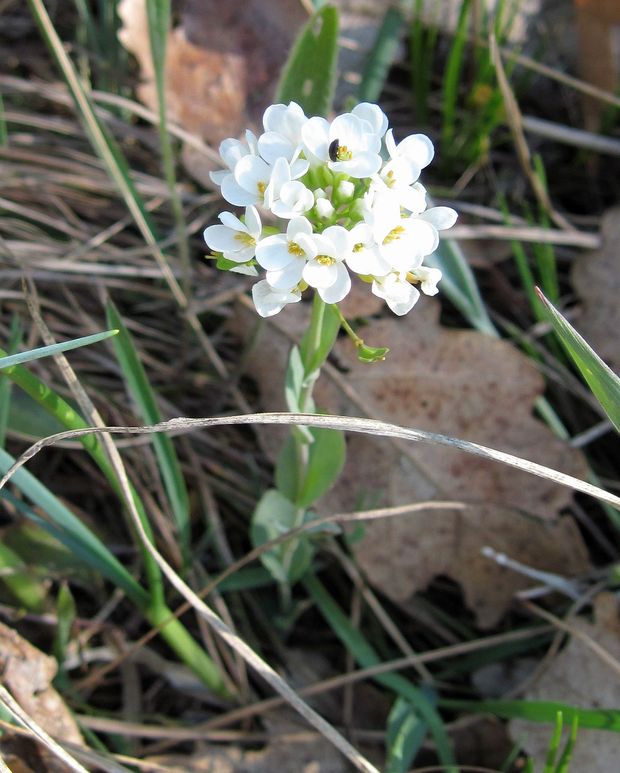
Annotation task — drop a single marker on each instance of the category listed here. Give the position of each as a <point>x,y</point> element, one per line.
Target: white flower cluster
<point>352,200</point>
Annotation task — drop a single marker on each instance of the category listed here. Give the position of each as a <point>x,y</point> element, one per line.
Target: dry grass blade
<point>515,121</point>
<point>524,234</point>
<point>20,715</point>
<point>342,423</point>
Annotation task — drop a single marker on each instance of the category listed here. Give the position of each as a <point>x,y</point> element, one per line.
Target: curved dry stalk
<point>342,423</point>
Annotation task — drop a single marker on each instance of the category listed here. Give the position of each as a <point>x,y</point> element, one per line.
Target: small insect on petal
<point>333,150</point>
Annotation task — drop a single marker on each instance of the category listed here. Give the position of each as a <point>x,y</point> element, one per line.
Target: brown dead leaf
<point>28,673</point>
<point>461,383</point>
<point>223,61</point>
<point>596,278</point>
<point>579,678</point>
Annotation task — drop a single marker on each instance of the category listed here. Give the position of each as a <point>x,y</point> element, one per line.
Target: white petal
<point>363,164</point>
<point>413,198</point>
<point>390,143</point>
<point>220,238</point>
<point>339,289</point>
<point>272,252</point>
<point>315,136</point>
<point>368,261</point>
<point>440,217</point>
<point>244,269</point>
<point>318,275</point>
<point>298,225</point>
<point>340,238</point>
<point>232,221</point>
<point>269,301</point>
<point>374,115</point>
<point>252,222</point>
<point>235,194</point>
<point>250,171</point>
<point>218,176</point>
<point>288,276</point>
<point>429,277</point>
<point>422,234</point>
<point>418,148</point>
<point>273,145</point>
<point>240,253</point>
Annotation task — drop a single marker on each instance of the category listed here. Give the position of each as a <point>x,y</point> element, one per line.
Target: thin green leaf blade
<point>309,75</point>
<point>405,734</point>
<point>382,55</point>
<point>144,396</point>
<point>49,351</point>
<point>601,379</point>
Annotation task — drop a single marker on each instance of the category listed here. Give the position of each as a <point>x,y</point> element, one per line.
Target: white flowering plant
<point>322,201</point>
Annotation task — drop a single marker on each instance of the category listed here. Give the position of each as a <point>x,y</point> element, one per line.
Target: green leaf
<point>275,515</point>
<point>381,56</point>
<point>405,734</point>
<point>287,469</point>
<point>144,396</point>
<point>48,351</point>
<point>371,353</point>
<point>15,336</point>
<point>309,74</point>
<point>294,381</point>
<point>603,382</point>
<point>326,457</point>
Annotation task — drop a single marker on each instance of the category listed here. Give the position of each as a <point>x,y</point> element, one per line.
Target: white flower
<point>236,240</point>
<point>374,115</point>
<point>285,255</point>
<point>399,295</point>
<point>346,189</point>
<point>285,196</point>
<point>347,145</point>
<point>325,270</point>
<point>231,150</point>
<point>269,301</point>
<point>282,137</point>
<point>402,242</point>
<point>364,256</point>
<point>440,217</point>
<point>428,279</point>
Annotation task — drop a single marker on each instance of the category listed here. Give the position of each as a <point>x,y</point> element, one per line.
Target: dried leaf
<point>579,678</point>
<point>461,383</point>
<point>222,62</point>
<point>28,673</point>
<point>597,281</point>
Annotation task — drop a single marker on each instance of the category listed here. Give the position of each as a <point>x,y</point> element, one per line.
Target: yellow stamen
<point>246,239</point>
<point>325,260</point>
<point>390,181</point>
<point>343,153</point>
<point>394,234</point>
<point>261,188</point>
<point>358,247</point>
<point>295,249</point>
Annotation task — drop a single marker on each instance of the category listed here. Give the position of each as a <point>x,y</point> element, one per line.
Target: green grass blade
<point>48,351</point>
<point>70,531</point>
<point>459,285</point>
<point>366,656</point>
<point>144,396</point>
<point>405,734</point>
<point>603,382</point>
<point>381,56</point>
<point>452,78</point>
<point>540,711</point>
<point>564,761</point>
<point>554,744</point>
<point>309,74</point>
